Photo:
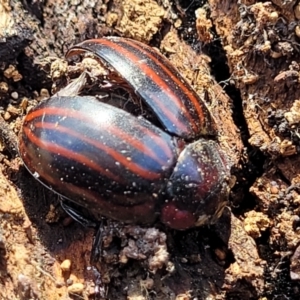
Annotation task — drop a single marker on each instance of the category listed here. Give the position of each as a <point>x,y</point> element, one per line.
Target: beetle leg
<point>77,215</point>
<point>97,244</point>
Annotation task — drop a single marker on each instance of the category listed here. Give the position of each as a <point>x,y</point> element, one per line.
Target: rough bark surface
<point>242,58</point>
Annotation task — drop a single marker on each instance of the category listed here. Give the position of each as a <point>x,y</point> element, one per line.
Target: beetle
<point>122,166</point>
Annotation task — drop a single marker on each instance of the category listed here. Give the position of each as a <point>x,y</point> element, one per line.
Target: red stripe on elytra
<point>120,134</point>
<point>161,84</point>
<point>152,75</point>
<point>144,148</point>
<point>167,68</point>
<point>101,205</point>
<point>160,142</point>
<point>51,147</point>
<point>130,165</point>
<point>109,208</point>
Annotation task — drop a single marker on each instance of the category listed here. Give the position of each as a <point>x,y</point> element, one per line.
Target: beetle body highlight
<point>122,166</point>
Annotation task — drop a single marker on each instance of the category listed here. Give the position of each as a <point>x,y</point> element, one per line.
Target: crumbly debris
<point>255,223</point>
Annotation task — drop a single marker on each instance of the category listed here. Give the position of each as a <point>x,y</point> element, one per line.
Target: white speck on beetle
<point>36,174</point>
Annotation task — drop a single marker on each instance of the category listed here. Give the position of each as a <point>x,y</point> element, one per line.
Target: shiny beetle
<point>124,167</point>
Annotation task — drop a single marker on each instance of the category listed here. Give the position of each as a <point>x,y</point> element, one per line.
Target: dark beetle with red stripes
<point>122,166</point>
